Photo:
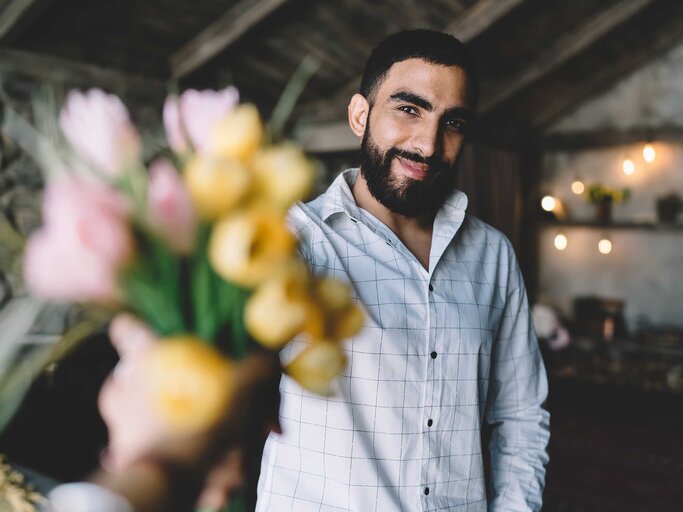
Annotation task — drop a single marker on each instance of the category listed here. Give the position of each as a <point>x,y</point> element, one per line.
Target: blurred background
<point>577,156</point>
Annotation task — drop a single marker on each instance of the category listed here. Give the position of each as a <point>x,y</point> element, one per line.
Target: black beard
<point>410,198</point>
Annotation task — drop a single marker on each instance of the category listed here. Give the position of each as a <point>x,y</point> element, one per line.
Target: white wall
<point>645,268</point>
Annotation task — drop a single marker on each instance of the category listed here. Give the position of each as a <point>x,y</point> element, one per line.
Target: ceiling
<point>537,59</point>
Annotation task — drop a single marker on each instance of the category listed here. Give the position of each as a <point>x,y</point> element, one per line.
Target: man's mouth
<point>415,170</point>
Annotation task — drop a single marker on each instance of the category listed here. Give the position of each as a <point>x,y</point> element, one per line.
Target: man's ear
<point>358,109</point>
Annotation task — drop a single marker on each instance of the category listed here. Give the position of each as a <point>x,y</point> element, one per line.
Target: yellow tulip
<point>339,316</point>
<point>191,383</point>
<point>238,135</point>
<point>317,365</point>
<point>283,174</point>
<point>278,309</point>
<point>250,246</point>
<point>216,186</point>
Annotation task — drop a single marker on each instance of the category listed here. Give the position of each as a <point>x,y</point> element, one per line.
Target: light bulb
<point>649,153</point>
<point>628,166</point>
<point>548,203</point>
<point>578,187</point>
<point>605,246</point>
<point>560,242</point>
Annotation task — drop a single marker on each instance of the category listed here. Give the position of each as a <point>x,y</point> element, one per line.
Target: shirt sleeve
<point>520,426</point>
<point>85,497</point>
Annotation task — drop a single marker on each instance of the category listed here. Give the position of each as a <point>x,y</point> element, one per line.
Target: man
<point>448,342</point>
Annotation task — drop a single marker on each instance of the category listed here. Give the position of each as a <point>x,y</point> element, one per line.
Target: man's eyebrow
<point>413,98</point>
<point>410,97</point>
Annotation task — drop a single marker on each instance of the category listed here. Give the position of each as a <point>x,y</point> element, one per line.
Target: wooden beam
<point>55,69</point>
<point>474,21</point>
<point>580,140</point>
<point>480,17</point>
<point>13,12</point>
<point>218,36</point>
<point>564,49</point>
<point>327,137</point>
<point>659,29</point>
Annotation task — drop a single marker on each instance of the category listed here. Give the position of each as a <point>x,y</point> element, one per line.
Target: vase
<point>603,212</point>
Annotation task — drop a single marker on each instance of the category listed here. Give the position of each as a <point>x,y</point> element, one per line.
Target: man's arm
<point>520,427</point>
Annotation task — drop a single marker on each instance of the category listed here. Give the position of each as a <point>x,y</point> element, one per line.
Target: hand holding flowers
<point>195,245</point>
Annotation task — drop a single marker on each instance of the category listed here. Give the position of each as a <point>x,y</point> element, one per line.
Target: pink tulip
<point>194,114</point>
<point>169,207</point>
<point>98,127</point>
<point>83,244</point>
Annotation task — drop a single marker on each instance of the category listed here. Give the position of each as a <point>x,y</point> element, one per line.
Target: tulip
<point>169,207</point>
<point>98,127</point>
<point>278,309</point>
<point>194,115</point>
<point>216,186</point>
<point>316,366</point>
<point>238,135</point>
<point>190,383</point>
<point>283,174</point>
<point>84,243</point>
<point>250,246</point>
<point>341,317</point>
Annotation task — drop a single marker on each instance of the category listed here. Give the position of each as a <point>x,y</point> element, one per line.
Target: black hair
<point>429,45</point>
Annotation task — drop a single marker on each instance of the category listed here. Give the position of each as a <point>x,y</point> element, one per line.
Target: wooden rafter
<point>12,13</point>
<point>56,69</point>
<point>478,18</point>
<point>564,49</point>
<point>218,36</point>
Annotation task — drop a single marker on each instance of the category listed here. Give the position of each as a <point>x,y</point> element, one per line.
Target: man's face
<point>413,136</point>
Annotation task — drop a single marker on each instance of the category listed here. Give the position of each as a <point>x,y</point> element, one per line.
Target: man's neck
<point>415,233</point>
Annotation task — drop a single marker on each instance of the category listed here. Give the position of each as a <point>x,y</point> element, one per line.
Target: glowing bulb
<point>628,166</point>
<point>649,153</point>
<point>578,187</point>
<point>560,242</point>
<point>548,203</point>
<point>605,246</point>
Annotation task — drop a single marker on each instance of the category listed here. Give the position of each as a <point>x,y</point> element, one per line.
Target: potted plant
<point>669,207</point>
<point>603,198</point>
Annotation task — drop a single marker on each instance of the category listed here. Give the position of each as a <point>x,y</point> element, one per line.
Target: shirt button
<point>430,423</point>
<point>426,490</point>
<point>433,354</point>
<point>431,288</point>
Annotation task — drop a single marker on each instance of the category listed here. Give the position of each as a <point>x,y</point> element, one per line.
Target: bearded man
<point>448,343</point>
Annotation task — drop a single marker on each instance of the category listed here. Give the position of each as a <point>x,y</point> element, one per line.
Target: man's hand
<point>157,470</point>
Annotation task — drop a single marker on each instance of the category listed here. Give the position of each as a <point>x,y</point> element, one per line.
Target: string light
<point>560,242</point>
<point>548,203</point>
<point>649,153</point>
<point>578,187</point>
<point>628,166</point>
<point>605,246</point>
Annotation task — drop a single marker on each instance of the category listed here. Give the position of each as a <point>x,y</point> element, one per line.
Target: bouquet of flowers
<point>192,242</point>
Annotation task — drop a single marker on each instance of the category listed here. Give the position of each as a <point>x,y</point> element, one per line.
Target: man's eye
<point>408,109</point>
<point>456,124</point>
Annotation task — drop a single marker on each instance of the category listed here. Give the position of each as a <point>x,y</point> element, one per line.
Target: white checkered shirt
<point>441,352</point>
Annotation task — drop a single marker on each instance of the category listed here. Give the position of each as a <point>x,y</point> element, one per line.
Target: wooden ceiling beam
<point>564,49</point>
<point>480,17</point>
<point>595,139</point>
<point>218,36</point>
<point>59,70</point>
<point>13,12</point>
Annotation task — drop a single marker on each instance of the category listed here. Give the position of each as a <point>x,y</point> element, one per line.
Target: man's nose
<point>426,139</point>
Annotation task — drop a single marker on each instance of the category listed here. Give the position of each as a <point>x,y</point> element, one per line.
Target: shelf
<point>646,226</point>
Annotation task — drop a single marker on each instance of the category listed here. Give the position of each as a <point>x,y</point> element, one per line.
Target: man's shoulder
<point>481,232</point>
